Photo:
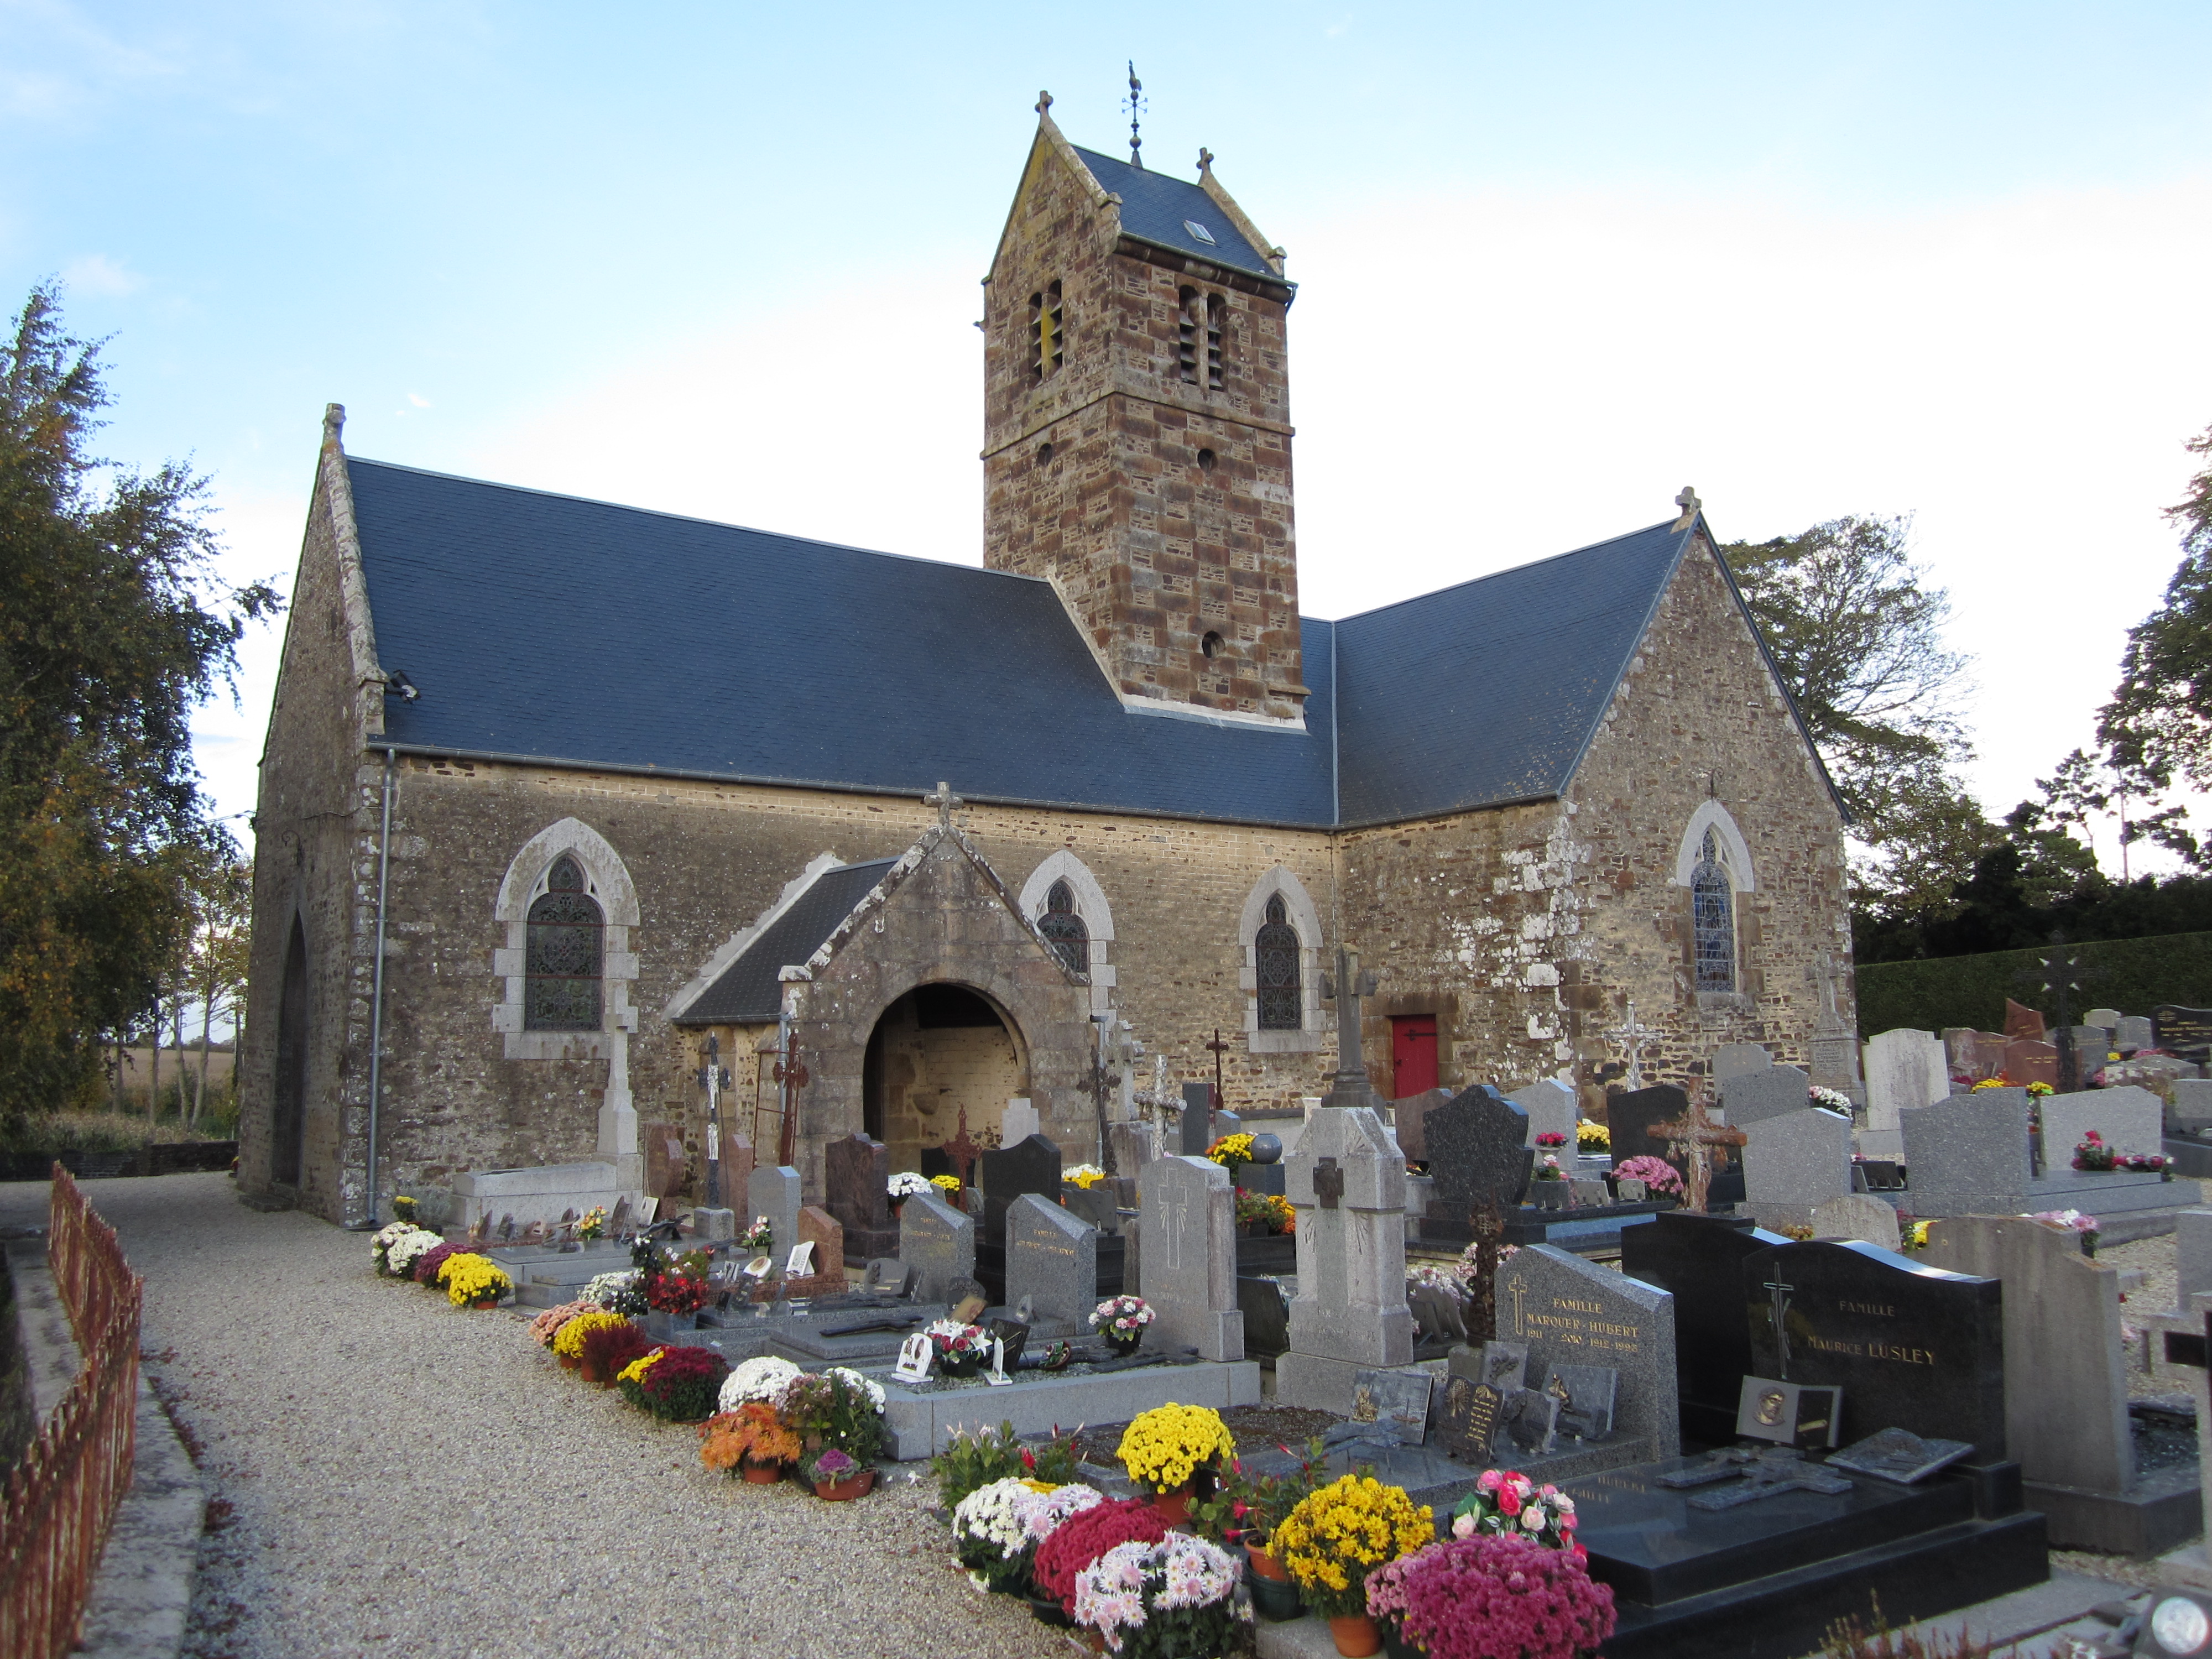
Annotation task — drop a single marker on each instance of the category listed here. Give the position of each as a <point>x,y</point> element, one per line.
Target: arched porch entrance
<point>936,1050</point>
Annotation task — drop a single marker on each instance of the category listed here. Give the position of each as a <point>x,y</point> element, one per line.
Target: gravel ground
<point>390,1475</point>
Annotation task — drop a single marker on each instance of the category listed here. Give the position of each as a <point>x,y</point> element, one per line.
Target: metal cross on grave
<point>713,1078</point>
<point>963,1152</point>
<point>1487,1223</point>
<point>1777,1293</point>
<point>945,802</point>
<point>1689,1138</point>
<point>790,1071</point>
<point>1217,1048</point>
<point>1345,987</point>
<point>1630,1034</point>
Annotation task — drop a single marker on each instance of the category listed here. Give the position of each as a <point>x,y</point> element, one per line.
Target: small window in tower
<point>1199,231</point>
<point>1207,460</point>
<point>1187,339</point>
<point>1036,337</point>
<point>1044,454</point>
<point>1052,339</point>
<point>1216,316</point>
<point>1212,644</point>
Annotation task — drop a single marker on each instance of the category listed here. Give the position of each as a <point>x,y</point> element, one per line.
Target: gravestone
<point>1197,1119</point>
<point>2066,1391</point>
<point>668,1168</point>
<point>856,1174</point>
<point>1551,1107</point>
<point>1570,1312</point>
<point>2130,1120</point>
<point>2021,1021</point>
<point>1346,1181</point>
<point>2193,1103</point>
<point>1904,1068</point>
<point>1738,1060</point>
<point>1968,1155</point>
<point>1031,1165</point>
<point>818,1227</point>
<point>1411,1116</point>
<point>937,1242</point>
<point>2031,1059</point>
<point>1753,1096</point>
<point>2183,1031</point>
<point>1479,1154</point>
<point>1099,1204</point>
<point>1018,1122</point>
<point>1911,1347</point>
<point>2134,1032</point>
<point>1860,1216</point>
<point>2107,1017</point>
<point>1699,1260</point>
<point>1051,1259</point>
<point>1226,1123</point>
<point>1794,1161</point>
<point>737,1163</point>
<point>1630,1115</point>
<point>775,1193</point>
<point>1135,1144</point>
<point>1189,1229</point>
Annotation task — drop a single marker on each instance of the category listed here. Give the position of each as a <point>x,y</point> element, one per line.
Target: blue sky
<point>1555,262</point>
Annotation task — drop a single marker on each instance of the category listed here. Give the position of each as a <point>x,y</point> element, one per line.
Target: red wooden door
<point>1413,1054</point>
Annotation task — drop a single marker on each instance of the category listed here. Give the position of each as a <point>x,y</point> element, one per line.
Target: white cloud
<point>96,275</point>
<point>418,400</point>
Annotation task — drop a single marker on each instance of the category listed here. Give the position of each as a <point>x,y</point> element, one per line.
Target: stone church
<point>555,790</point>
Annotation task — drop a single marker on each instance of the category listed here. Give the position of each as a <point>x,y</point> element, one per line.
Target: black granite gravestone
<point>2183,1031</point>
<point>855,1181</point>
<point>1911,1347</point>
<point>1479,1154</point>
<point>1700,1258</point>
<point>1006,1174</point>
<point>1197,1125</point>
<point>1630,1115</point>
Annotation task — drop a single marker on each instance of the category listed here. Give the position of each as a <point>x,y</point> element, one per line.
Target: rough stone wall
<point>930,1073</point>
<point>1527,931</point>
<point>1160,510</point>
<point>315,830</point>
<point>706,860</point>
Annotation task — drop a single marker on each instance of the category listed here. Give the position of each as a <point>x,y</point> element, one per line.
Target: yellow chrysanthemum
<point>1165,1447</point>
<point>635,1371</point>
<point>568,1340</point>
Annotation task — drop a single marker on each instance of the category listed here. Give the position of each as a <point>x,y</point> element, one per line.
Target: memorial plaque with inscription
<point>1911,1347</point>
<point>1470,1417</point>
<point>2183,1031</point>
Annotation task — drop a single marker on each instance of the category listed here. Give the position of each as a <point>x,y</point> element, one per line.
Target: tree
<point>220,953</point>
<point>112,630</point>
<point>1856,630</point>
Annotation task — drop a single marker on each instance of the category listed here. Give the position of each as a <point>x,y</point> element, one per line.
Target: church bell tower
<point>1137,448</point>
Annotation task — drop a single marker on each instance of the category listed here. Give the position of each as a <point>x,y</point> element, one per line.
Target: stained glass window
<point>561,989</point>
<point>1064,930</point>
<point>1712,914</point>
<point>1275,951</point>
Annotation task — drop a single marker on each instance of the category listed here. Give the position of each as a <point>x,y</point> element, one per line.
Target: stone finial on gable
<point>333,425</point>
<point>1688,501</point>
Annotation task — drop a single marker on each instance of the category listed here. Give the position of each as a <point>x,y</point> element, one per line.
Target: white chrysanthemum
<point>908,1183</point>
<point>868,1386</point>
<point>990,1515</point>
<point>1040,1513</point>
<point>765,1377</point>
<point>410,1247</point>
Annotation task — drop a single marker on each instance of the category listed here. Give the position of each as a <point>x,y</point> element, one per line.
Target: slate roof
<point>1154,205</point>
<point>748,992</point>
<point>546,629</point>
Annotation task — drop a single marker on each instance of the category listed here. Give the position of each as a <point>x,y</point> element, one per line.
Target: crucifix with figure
<point>1632,1035</point>
<point>790,1071</point>
<point>713,1078</point>
<point>1690,1138</point>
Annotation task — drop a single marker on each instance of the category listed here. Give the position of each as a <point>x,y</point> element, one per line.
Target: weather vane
<point>1135,104</point>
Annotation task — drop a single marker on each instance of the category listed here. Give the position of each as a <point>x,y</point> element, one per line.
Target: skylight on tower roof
<point>1199,231</point>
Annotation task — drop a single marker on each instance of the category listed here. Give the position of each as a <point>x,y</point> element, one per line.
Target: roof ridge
<point>1510,570</point>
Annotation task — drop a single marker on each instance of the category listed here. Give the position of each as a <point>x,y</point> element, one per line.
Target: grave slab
<point>922,1421</point>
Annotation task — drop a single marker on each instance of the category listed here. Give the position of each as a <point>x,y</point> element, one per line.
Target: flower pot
<point>947,1365</point>
<point>1355,1635</point>
<point>1046,1610</point>
<point>1097,1640</point>
<point>851,1486</point>
<point>2088,1243</point>
<point>1265,1566</point>
<point>1394,1644</point>
<point>1174,1507</point>
<point>765,1474</point>
<point>1125,1345</point>
<point>569,1362</point>
<point>594,1369</point>
<point>485,1301</point>
<point>1274,1597</point>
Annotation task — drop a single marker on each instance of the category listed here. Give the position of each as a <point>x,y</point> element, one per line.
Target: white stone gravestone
<point>1551,1107</point>
<point>1860,1216</point>
<point>1018,1123</point>
<point>775,1193</point>
<point>1346,1181</point>
<point>1904,1068</point>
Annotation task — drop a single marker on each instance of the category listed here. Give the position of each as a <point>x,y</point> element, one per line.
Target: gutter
<point>376,993</point>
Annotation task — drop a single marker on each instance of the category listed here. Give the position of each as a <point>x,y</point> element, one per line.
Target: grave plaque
<point>1031,1165</point>
<point>1479,1154</point>
<point>1470,1419</point>
<point>1395,1400</point>
<point>1911,1347</point>
<point>1895,1455</point>
<point>1506,1365</point>
<point>1787,1414</point>
<point>2184,1031</point>
<point>1585,1394</point>
<point>1052,1261</point>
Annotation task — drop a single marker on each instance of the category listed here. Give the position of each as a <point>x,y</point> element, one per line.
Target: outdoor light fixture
<point>2180,1626</point>
<point>405,687</point>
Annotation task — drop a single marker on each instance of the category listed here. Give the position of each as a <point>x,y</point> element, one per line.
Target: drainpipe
<point>376,993</point>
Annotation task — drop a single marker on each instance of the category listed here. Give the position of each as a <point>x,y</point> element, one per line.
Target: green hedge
<point>2131,975</point>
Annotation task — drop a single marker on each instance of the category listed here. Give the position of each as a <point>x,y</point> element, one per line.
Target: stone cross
<point>1044,103</point>
<point>945,802</point>
<point>1346,988</point>
<point>1632,1035</point>
<point>1688,1137</point>
<point>1688,501</point>
<point>713,1078</point>
<point>1329,1183</point>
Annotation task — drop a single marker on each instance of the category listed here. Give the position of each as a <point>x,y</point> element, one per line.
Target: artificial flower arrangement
<point>762,1378</point>
<point>2147,1163</point>
<point>987,1534</point>
<point>1337,1536</point>
<point>1592,1137</point>
<point>2038,1091</point>
<point>1084,1175</point>
<point>1551,1138</point>
<point>2090,1152</point>
<point>1168,1446</point>
<point>427,1264</point>
<point>675,1384</point>
<point>1121,1320</point>
<point>594,1222</point>
<point>906,1184</point>
<point>568,1339</point>
<point>1831,1100</point>
<point>1912,1236</point>
<point>759,1236</point>
<point>1657,1174</point>
<point>617,1292</point>
<point>1270,1210</point>
<point>547,1325</point>
<point>1159,1601</point>
<point>1547,1168</point>
<point>959,1350</point>
<point>1231,1151</point>
<point>1505,1502</point>
<point>472,1280</point>
<point>947,1184</point>
<point>1085,1536</point>
<point>751,1434</point>
<point>2086,1227</point>
<point>1478,1596</point>
<point>387,1239</point>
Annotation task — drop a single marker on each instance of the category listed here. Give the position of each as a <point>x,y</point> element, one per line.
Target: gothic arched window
<point>1712,918</point>
<point>1275,950</point>
<point>1064,930</point>
<point>561,992</point>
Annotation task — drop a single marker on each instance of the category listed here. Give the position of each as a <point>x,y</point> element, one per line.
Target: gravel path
<point>405,1479</point>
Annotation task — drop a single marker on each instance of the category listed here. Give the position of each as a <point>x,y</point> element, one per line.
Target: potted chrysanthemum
<point>1170,1450</point>
<point>752,1441</point>
<point>1159,1601</point>
<point>1336,1538</point>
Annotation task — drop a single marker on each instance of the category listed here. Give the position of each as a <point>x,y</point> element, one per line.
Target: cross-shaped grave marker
<point>713,1078</point>
<point>1690,1137</point>
<point>1631,1034</point>
<point>963,1152</point>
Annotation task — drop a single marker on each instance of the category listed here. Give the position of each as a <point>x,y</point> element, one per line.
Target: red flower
<point>1509,1501</point>
<point>1029,1458</point>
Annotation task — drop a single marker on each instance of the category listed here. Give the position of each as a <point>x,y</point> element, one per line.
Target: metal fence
<point>62,1496</point>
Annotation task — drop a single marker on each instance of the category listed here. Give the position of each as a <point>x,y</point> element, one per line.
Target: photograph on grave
<point>1700,1259</point>
<point>1788,1414</point>
<point>1395,1400</point>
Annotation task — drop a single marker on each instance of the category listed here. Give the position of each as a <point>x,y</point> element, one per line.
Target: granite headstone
<point>1189,1232</point>
<point>1031,1165</point>
<point>1572,1312</point>
<point>1752,1096</point>
<point>856,1183</point>
<point>1700,1258</point>
<point>1051,1259</point>
<point>1479,1154</point>
<point>937,1242</point>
